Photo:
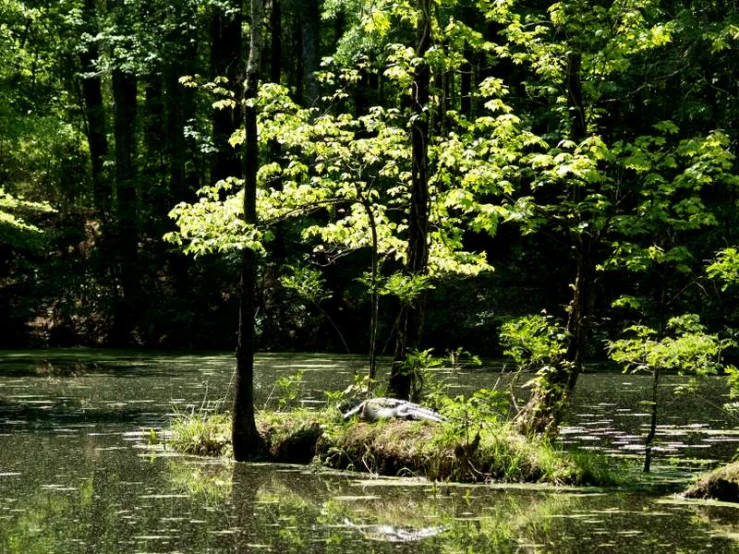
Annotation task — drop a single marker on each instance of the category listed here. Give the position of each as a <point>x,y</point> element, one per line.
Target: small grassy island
<point>489,452</point>
<point>720,484</point>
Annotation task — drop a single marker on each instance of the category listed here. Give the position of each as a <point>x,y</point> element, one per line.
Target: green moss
<point>720,484</point>
<point>291,436</point>
<point>440,452</point>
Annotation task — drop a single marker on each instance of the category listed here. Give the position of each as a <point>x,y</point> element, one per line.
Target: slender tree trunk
<point>652,421</point>
<point>275,46</point>
<point>180,109</point>
<point>465,84</point>
<point>247,443</point>
<point>374,294</point>
<point>411,318</point>
<point>442,85</point>
<point>309,20</point>
<point>297,70</point>
<point>550,398</point>
<point>97,137</point>
<point>154,197</point>
<point>275,76</point>
<point>468,16</point>
<point>226,61</point>
<point>125,113</point>
<point>182,176</point>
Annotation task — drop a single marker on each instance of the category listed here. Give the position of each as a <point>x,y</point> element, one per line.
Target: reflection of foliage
<point>208,481</point>
<point>495,521</point>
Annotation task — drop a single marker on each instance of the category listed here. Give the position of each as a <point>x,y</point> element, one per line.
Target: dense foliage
<point>446,166</point>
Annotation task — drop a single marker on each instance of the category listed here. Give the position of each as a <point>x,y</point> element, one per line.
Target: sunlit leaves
<point>308,282</point>
<point>12,208</point>
<point>212,225</point>
<point>686,348</point>
<point>725,268</point>
<point>533,341</point>
<point>627,193</point>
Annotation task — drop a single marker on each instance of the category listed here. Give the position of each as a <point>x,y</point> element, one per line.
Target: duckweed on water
<point>492,453</point>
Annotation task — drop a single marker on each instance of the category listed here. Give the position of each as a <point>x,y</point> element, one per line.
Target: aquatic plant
<point>288,389</point>
<point>202,434</point>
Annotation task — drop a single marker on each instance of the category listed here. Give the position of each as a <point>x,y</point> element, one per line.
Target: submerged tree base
<point>720,484</point>
<point>493,452</point>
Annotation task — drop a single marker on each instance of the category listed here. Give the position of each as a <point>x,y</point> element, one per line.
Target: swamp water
<point>78,473</point>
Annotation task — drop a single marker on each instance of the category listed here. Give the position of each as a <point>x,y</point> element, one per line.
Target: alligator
<point>374,409</point>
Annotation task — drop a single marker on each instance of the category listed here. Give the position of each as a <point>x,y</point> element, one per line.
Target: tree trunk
<point>154,197</point>
<point>247,443</point>
<point>97,137</point>
<point>275,76</point>
<point>125,112</point>
<point>182,152</point>
<point>550,398</point>
<point>411,317</point>
<point>226,61</point>
<point>465,84</point>
<point>309,20</point>
<point>275,46</point>
<point>652,421</point>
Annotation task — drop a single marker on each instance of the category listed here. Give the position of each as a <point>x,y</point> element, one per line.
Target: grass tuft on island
<point>491,452</point>
<point>720,484</point>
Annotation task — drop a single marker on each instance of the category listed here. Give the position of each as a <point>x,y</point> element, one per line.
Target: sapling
<point>684,348</point>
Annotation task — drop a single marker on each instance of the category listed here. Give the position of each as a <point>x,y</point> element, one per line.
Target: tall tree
<point>94,107</point>
<point>610,201</point>
<point>125,85</point>
<point>247,443</point>
<point>543,411</point>
<point>307,30</point>
<point>411,316</point>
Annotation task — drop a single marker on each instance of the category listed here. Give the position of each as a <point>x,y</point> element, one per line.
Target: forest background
<point>580,163</point>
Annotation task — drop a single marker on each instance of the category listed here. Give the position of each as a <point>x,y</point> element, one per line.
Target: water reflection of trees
<point>292,511</point>
<point>120,503</point>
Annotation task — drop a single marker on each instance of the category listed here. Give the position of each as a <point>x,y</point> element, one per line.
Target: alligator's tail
<point>430,415</point>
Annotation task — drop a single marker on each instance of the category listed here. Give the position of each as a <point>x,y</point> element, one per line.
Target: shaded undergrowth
<point>489,452</point>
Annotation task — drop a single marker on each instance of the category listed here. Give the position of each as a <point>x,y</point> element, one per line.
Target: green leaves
<point>11,207</point>
<point>687,348</point>
<point>212,225</point>
<point>15,230</point>
<point>725,268</point>
<point>534,341</point>
<point>307,282</point>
